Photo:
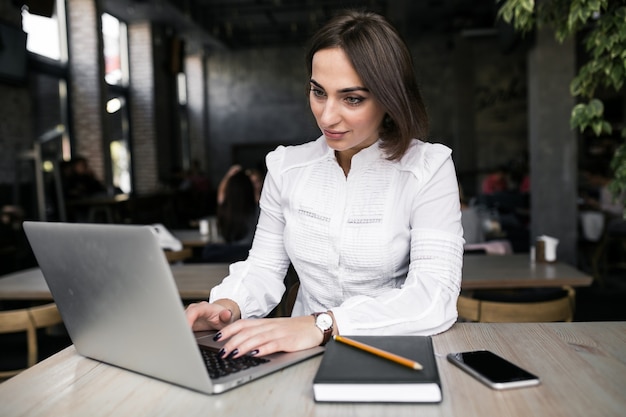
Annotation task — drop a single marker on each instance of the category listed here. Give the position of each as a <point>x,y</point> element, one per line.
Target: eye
<point>317,92</point>
<point>354,101</point>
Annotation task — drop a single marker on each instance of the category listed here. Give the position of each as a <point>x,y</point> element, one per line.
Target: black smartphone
<point>493,370</point>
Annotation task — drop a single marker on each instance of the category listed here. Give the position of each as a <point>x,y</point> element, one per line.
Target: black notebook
<point>348,374</point>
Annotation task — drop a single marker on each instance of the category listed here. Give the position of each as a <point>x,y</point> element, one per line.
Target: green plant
<point>601,25</point>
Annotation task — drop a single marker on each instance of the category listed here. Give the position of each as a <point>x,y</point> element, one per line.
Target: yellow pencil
<point>379,352</point>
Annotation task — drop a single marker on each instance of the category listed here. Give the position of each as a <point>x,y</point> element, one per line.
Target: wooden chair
<point>28,320</point>
<point>559,309</point>
<point>285,307</point>
<point>290,300</point>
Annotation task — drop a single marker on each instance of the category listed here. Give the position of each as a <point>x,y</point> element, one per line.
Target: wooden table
<point>194,282</point>
<point>191,238</point>
<point>582,367</point>
<point>517,271</point>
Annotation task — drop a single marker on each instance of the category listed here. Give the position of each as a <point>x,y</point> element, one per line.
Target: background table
<point>194,282</point>
<point>518,271</point>
<point>582,367</point>
<point>192,238</point>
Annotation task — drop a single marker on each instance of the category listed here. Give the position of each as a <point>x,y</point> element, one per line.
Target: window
<point>115,50</point>
<point>46,35</point>
<point>114,33</point>
<point>117,122</point>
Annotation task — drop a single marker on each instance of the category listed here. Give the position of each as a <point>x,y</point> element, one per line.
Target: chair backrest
<point>45,315</point>
<point>292,294</point>
<point>560,309</point>
<point>292,284</point>
<point>28,320</point>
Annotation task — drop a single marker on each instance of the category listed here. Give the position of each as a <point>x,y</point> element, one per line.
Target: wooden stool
<point>559,309</point>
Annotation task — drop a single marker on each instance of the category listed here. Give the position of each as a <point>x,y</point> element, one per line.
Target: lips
<point>333,134</point>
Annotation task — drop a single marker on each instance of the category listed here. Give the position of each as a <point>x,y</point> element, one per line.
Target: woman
<point>237,216</point>
<point>237,207</point>
<point>369,216</point>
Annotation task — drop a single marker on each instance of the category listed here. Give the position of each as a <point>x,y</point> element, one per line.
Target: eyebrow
<point>343,90</point>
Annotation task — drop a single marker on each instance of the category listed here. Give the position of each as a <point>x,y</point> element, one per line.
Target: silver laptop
<point>120,305</point>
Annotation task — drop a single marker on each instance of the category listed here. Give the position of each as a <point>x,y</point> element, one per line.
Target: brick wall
<point>86,68</point>
<point>142,112</point>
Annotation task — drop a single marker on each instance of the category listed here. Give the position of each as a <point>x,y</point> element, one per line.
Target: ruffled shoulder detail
<point>284,158</point>
<point>424,159</point>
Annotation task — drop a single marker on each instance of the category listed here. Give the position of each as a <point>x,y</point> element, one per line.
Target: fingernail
<point>221,352</point>
<point>233,353</point>
<point>218,336</point>
<point>254,352</point>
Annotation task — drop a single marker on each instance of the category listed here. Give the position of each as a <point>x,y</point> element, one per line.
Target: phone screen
<point>493,370</point>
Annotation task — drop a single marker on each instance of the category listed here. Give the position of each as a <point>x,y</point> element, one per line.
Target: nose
<point>330,115</point>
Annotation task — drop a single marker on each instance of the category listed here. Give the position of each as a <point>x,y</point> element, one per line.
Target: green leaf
<point>528,5</point>
<point>579,118</point>
<point>595,108</point>
<point>597,128</point>
<point>579,110</point>
<point>617,76</point>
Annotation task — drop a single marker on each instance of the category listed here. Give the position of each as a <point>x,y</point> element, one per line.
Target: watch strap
<point>326,332</point>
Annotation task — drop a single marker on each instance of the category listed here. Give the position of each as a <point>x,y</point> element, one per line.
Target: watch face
<point>324,321</point>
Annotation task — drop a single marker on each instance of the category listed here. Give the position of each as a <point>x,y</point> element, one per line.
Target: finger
<point>263,336</point>
<point>239,335</point>
<point>226,316</point>
<point>191,313</point>
<point>203,316</point>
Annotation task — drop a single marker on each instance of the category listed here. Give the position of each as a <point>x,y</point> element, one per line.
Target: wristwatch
<point>324,322</point>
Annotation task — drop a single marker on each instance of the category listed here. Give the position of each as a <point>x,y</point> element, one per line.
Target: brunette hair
<point>234,213</point>
<point>383,62</point>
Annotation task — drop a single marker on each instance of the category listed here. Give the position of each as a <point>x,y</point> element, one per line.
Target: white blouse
<point>382,248</point>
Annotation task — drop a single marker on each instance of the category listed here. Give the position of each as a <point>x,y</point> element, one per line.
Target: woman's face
<point>346,112</point>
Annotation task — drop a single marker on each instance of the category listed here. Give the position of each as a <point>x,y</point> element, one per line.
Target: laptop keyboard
<point>219,367</point>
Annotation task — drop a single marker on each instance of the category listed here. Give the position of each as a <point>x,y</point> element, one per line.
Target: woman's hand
<point>212,316</point>
<point>264,336</point>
